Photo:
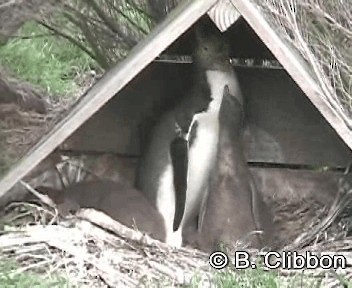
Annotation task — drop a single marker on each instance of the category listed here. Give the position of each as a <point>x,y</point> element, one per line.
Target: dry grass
<point>14,13</point>
<point>92,256</point>
<point>20,130</point>
<point>93,250</point>
<point>321,31</point>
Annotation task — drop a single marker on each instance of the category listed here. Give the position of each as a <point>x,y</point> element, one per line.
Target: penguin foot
<point>174,239</point>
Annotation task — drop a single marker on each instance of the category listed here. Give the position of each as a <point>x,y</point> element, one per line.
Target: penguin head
<point>231,111</point>
<point>212,51</point>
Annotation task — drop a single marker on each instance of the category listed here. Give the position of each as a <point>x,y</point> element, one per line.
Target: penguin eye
<point>205,48</point>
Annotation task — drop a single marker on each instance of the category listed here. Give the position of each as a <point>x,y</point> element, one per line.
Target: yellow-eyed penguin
<point>196,119</point>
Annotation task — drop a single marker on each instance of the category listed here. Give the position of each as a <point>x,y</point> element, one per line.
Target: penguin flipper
<point>179,158</point>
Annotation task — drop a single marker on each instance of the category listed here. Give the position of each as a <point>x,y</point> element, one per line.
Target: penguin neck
<point>216,80</point>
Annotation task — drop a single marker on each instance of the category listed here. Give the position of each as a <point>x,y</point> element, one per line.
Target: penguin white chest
<point>217,81</point>
<point>202,157</point>
<point>202,154</point>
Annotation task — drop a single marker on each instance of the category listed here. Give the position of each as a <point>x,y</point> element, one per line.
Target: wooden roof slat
<point>223,14</point>
<point>177,22</point>
<point>292,63</point>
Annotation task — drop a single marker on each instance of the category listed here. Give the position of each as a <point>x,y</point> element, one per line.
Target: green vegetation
<point>243,278</point>
<point>248,278</point>
<point>49,62</point>
<point>10,277</point>
<point>259,278</point>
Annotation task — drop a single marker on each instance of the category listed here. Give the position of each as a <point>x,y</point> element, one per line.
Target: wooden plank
<point>179,20</point>
<point>288,185</point>
<point>151,89</point>
<point>284,126</point>
<point>294,65</point>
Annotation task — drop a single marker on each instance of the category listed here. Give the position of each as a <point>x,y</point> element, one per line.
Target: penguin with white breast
<point>235,209</point>
<point>161,175</point>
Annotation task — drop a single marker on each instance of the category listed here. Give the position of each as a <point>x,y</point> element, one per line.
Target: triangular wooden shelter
<point>175,24</point>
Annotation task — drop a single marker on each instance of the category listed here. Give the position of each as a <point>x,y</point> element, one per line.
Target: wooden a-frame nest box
<point>289,122</point>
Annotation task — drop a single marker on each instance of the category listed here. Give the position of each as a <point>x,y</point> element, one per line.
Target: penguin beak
<point>224,60</point>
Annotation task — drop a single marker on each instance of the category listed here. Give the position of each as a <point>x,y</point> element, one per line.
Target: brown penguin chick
<point>233,204</point>
<point>121,202</point>
<point>64,204</point>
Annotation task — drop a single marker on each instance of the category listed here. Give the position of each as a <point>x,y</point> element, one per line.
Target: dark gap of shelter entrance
<point>299,166</point>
